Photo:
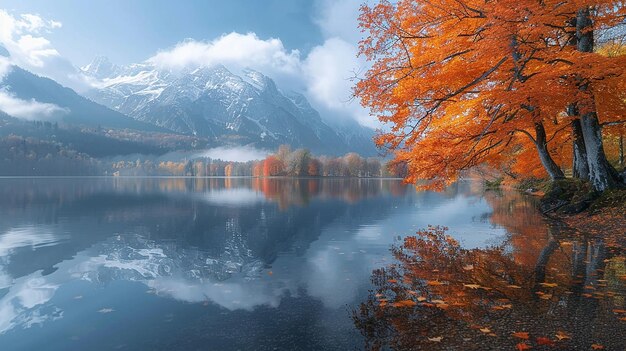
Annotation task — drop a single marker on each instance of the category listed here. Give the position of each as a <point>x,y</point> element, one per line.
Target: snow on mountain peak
<point>101,67</point>
<point>212,101</point>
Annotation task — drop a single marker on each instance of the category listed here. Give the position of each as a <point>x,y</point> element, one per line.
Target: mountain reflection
<point>195,240</point>
<point>250,249</point>
<point>543,287</point>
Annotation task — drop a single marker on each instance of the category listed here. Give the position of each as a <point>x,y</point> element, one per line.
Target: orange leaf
<point>545,341</point>
<point>434,283</point>
<point>405,303</point>
<point>521,335</point>
<point>561,335</point>
<point>523,346</point>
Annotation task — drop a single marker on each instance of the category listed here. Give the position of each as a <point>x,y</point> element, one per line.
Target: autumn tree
<point>298,162</point>
<point>272,166</point>
<point>228,170</point>
<point>354,163</point>
<point>283,153</point>
<point>465,83</point>
<point>314,167</point>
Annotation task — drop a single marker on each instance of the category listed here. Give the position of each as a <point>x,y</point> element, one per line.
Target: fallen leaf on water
<point>523,346</point>
<point>521,335</point>
<point>436,339</point>
<point>545,341</point>
<point>597,347</point>
<point>472,286</point>
<point>421,299</point>
<point>469,267</point>
<point>546,296</point>
<point>392,281</point>
<point>561,335</point>
<point>514,286</point>
<point>619,311</point>
<point>549,285</point>
<point>438,302</point>
<point>485,330</point>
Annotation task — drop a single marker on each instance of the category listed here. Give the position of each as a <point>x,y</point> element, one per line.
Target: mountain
<point>101,68</point>
<point>226,108</point>
<point>73,108</point>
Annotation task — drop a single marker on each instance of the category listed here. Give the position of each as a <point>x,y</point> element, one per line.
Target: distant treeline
<point>36,148</point>
<point>21,156</point>
<point>285,162</point>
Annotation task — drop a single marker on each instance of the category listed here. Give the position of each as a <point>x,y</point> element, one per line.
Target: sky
<point>306,45</point>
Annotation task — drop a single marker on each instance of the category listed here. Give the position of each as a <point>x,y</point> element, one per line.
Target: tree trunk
<point>554,171</point>
<point>580,168</point>
<point>601,173</point>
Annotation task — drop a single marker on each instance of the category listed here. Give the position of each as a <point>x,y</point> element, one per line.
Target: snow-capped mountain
<point>101,68</point>
<point>213,102</point>
<point>68,107</point>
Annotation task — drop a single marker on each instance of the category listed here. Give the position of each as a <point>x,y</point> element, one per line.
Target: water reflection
<point>543,287</point>
<point>287,255</point>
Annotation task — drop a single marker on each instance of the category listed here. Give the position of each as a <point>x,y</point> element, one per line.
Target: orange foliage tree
<point>272,166</point>
<point>463,83</point>
<point>228,170</point>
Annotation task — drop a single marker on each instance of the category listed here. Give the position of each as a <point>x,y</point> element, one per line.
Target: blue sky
<point>130,31</point>
<point>309,46</point>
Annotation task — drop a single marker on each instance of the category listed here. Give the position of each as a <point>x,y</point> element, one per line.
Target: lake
<point>232,263</point>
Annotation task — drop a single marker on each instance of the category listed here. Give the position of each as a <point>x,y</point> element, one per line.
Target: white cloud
<point>29,109</point>
<point>329,70</point>
<point>5,67</point>
<point>22,37</point>
<point>242,50</point>
<point>19,35</point>
<point>339,18</point>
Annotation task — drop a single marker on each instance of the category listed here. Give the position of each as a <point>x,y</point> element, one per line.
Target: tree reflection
<point>542,288</point>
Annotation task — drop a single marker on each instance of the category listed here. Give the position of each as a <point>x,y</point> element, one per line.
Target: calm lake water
<point>220,264</point>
